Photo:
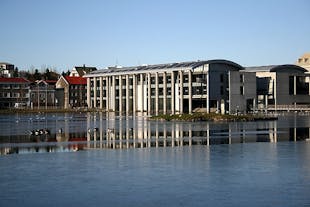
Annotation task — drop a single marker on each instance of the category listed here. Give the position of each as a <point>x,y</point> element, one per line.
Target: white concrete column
<point>113,95</point>
<point>127,93</point>
<point>95,92</point>
<point>101,92</point>
<point>295,86</point>
<point>208,93</point>
<point>156,94</point>
<point>181,91</point>
<point>120,97</point>
<point>142,92</point>
<point>275,93</point>
<point>165,93</point>
<point>88,93</point>
<point>149,93</point>
<point>107,92</point>
<point>172,93</point>
<point>190,93</point>
<point>134,93</point>
<point>266,103</point>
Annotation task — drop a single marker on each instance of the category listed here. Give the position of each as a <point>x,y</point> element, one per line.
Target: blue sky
<point>65,33</point>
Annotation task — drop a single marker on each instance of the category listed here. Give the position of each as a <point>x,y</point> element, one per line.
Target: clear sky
<point>65,33</point>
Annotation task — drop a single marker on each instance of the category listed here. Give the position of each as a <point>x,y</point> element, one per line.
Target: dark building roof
<point>5,63</point>
<point>76,80</point>
<point>14,80</point>
<point>277,68</point>
<point>51,82</point>
<point>192,65</point>
<point>84,70</point>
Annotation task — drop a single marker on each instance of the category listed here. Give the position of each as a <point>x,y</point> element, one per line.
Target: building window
<point>222,78</point>
<point>291,85</point>
<point>185,91</point>
<point>152,80</point>
<point>168,91</point>
<point>168,79</point>
<point>302,86</point>
<point>241,78</point>
<point>241,90</point>
<point>185,78</point>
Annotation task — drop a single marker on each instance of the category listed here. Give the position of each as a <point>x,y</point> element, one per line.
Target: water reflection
<point>100,130</point>
<point>140,133</point>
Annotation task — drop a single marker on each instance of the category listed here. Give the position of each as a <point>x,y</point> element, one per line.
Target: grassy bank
<point>211,117</point>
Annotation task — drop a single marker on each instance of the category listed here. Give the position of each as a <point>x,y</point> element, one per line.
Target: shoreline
<point>29,111</point>
<point>198,116</point>
<point>213,117</point>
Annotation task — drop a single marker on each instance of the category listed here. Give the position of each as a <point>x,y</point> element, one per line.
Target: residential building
<point>281,86</point>
<point>71,92</point>
<point>81,71</point>
<point>14,92</point>
<point>212,86</point>
<point>6,70</point>
<point>304,61</point>
<point>42,94</point>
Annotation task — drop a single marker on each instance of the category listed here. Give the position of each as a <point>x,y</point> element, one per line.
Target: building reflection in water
<point>139,132</point>
<point>106,130</point>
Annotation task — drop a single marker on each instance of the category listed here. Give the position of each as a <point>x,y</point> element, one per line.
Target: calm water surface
<point>159,164</point>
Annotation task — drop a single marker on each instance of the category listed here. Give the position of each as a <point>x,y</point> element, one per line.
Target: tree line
<point>37,75</point>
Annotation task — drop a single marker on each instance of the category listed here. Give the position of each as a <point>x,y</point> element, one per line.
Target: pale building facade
<point>6,70</point>
<point>42,94</point>
<point>71,92</point>
<point>80,71</point>
<point>212,86</point>
<point>281,86</point>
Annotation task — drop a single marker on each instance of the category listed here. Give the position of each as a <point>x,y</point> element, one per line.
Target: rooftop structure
<point>6,69</point>
<point>78,71</point>
<point>304,61</point>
